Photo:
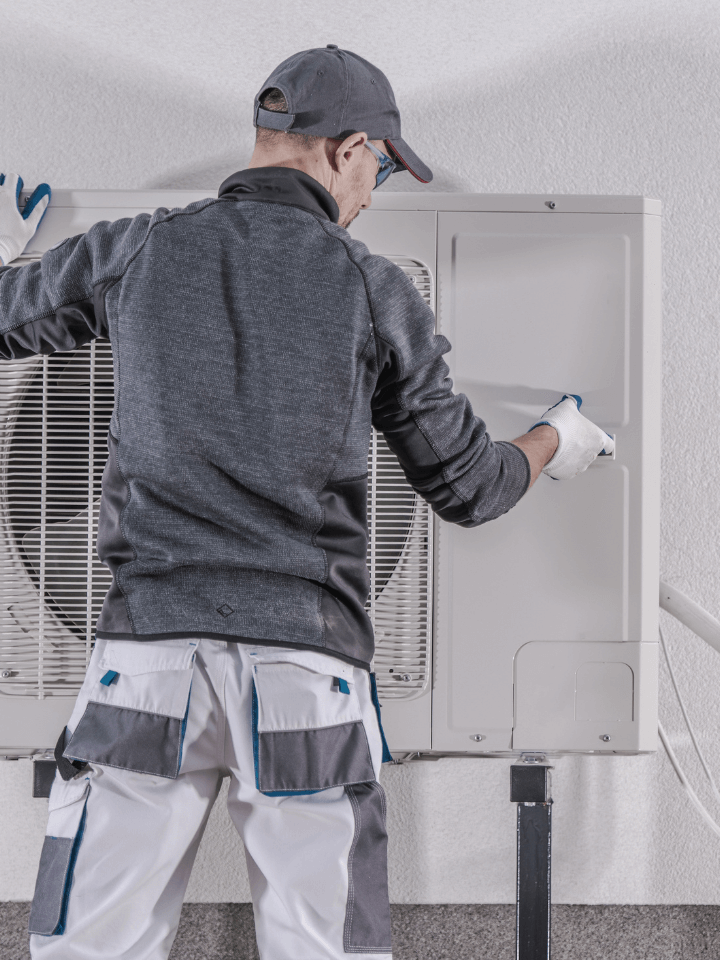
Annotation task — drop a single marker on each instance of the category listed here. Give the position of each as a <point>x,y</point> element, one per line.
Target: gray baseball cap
<point>332,93</point>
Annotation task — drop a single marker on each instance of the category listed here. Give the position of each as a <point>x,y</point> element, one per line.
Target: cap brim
<point>409,159</point>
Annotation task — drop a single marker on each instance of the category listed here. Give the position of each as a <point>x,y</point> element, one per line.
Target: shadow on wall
<point>591,830</point>
<point>212,172</point>
<point>552,122</point>
<point>409,833</point>
<point>529,131</point>
<point>452,832</point>
<point>423,123</point>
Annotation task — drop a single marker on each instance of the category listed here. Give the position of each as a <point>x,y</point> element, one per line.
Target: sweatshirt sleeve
<point>443,448</point>
<point>57,304</point>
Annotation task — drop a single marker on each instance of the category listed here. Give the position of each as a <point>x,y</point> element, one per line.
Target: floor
<point>224,931</point>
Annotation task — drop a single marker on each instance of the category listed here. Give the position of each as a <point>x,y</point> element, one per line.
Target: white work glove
<point>579,440</point>
<point>18,227</point>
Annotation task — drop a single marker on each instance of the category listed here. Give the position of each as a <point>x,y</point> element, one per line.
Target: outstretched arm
<point>58,304</point>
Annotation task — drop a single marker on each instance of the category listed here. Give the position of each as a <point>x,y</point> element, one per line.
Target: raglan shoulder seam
<point>410,413</point>
<point>363,274</point>
<point>112,278</point>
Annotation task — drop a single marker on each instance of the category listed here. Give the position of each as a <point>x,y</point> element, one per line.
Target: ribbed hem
<point>256,641</point>
<point>518,470</point>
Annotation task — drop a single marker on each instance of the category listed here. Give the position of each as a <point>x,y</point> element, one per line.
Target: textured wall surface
<point>533,96</point>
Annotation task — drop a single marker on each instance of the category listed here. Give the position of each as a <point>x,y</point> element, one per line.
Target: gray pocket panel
<point>129,739</point>
<point>47,905</point>
<point>367,919</point>
<point>314,759</point>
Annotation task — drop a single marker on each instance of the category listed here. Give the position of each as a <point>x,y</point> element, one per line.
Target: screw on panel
<point>478,737</point>
<point>605,737</point>
<point>550,203</point>
<point>5,674</point>
<point>406,677</point>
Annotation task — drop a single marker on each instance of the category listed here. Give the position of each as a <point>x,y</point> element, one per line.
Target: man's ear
<point>349,150</point>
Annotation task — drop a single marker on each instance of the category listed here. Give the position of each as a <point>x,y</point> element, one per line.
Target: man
<point>254,344</point>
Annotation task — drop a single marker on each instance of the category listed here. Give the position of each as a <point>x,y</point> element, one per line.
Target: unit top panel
<point>384,200</point>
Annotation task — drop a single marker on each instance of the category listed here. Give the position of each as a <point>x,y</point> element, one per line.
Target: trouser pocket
<point>66,822</point>
<point>367,916</point>
<point>308,729</point>
<point>132,709</point>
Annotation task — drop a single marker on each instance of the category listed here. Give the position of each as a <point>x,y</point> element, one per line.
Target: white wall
<point>528,96</point>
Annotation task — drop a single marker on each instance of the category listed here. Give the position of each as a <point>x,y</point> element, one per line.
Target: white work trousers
<point>160,724</point>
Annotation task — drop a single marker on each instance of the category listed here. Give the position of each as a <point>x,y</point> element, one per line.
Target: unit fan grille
<point>54,418</point>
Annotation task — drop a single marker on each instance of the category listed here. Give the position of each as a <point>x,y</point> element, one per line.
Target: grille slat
<point>54,417</point>
<point>400,558</point>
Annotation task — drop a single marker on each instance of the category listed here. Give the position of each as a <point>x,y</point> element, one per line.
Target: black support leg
<point>530,789</point>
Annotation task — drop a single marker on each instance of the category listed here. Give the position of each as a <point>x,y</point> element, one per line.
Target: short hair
<point>274,99</point>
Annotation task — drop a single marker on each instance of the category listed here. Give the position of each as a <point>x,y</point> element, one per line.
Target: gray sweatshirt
<point>254,343</point>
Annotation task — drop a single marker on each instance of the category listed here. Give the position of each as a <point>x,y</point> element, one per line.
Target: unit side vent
<point>54,418</point>
<point>420,276</point>
<point>400,557</point>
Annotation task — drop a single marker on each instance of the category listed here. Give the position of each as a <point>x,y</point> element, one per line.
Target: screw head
<point>406,677</point>
<point>478,737</point>
<point>550,203</point>
<point>605,737</point>
<point>5,674</point>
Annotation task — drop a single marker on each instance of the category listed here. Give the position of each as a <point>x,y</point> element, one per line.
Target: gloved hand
<point>579,440</point>
<point>17,228</point>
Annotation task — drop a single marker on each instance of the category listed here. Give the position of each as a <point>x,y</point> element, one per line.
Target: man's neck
<point>281,185</point>
<point>314,164</point>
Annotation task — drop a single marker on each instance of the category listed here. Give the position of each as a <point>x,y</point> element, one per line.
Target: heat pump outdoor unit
<point>536,632</point>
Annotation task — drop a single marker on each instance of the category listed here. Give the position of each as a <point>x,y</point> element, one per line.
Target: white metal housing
<point>535,632</point>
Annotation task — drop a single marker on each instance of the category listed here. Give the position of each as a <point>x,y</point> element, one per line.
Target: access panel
<point>537,305</point>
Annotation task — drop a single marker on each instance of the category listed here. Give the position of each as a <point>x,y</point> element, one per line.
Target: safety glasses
<point>385,164</point>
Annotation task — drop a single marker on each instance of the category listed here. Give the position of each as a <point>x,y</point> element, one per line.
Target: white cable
<point>699,752</point>
<point>697,803</point>
<point>694,799</point>
<point>684,609</point>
